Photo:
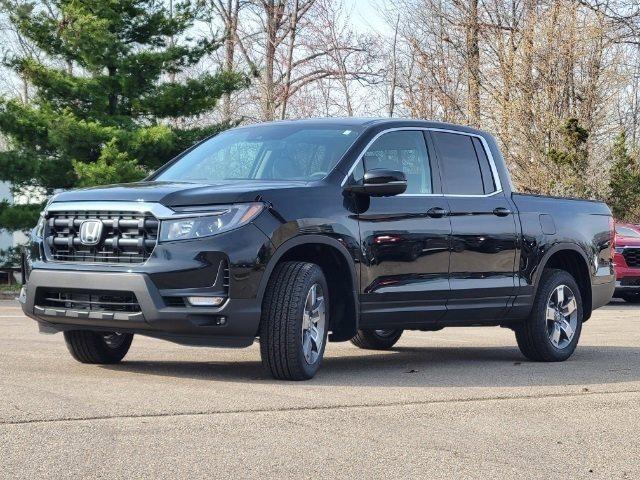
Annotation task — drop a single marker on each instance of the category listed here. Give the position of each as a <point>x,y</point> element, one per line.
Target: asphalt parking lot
<point>460,403</point>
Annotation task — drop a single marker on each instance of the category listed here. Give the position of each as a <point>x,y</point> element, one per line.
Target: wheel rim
<point>313,324</point>
<point>114,339</point>
<point>562,316</point>
<point>385,333</point>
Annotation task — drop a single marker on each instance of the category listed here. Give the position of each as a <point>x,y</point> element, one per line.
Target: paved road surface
<point>460,403</point>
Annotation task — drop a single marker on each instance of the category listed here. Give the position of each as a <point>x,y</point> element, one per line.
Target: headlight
<point>39,230</point>
<point>204,224</point>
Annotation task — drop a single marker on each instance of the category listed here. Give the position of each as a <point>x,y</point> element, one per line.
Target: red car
<point>627,262</point>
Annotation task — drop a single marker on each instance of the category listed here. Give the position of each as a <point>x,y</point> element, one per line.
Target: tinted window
<point>264,152</point>
<point>485,168</point>
<point>461,173</point>
<point>404,151</point>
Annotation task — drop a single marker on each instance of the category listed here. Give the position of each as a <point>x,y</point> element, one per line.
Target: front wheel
<point>376,339</point>
<point>97,347</point>
<point>295,321</point>
<point>552,331</point>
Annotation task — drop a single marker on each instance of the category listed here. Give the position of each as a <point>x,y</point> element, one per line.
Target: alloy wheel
<point>385,333</point>
<point>561,316</point>
<point>313,324</point>
<point>114,339</point>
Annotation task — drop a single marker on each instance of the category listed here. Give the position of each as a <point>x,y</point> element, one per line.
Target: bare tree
<point>472,29</point>
<point>228,12</point>
<point>393,80</point>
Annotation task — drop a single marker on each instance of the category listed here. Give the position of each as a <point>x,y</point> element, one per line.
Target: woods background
<point>555,81</point>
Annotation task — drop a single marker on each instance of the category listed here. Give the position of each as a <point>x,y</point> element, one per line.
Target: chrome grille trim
<point>129,237</point>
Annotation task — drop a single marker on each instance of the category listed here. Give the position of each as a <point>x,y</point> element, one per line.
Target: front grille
<point>88,300</point>
<point>632,256</point>
<point>127,237</point>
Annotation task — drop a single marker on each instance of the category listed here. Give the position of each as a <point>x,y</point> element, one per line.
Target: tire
<point>534,336</point>
<point>632,298</point>
<point>97,347</point>
<point>289,308</point>
<point>376,339</point>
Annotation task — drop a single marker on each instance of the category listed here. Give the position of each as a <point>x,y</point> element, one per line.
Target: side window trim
<point>435,170</point>
<point>432,164</point>
<point>485,167</point>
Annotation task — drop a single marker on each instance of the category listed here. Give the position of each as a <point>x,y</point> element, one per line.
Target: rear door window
<point>464,164</point>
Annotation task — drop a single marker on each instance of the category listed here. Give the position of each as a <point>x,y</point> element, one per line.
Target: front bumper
<point>230,265</point>
<point>186,325</point>
<point>627,285</point>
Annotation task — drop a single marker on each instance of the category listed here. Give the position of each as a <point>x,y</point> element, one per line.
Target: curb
<point>9,295</point>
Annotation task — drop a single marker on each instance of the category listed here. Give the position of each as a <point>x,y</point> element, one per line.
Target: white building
<point>8,239</point>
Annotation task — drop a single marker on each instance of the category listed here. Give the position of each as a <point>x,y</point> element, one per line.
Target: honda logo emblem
<point>91,232</point>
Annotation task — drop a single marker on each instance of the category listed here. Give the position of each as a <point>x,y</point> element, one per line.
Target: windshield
<point>264,152</point>
<point>627,232</point>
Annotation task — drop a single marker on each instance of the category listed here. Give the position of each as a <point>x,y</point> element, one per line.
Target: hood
<point>175,194</point>
<point>622,241</point>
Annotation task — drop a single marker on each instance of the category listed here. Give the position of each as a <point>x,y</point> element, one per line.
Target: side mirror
<point>380,182</point>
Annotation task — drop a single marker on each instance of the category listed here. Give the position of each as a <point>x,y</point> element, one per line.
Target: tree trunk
<point>473,65</point>
<point>268,83</point>
<point>231,28</point>
<point>289,64</point>
<point>113,95</point>
<point>25,90</point>
<point>172,75</point>
<point>394,70</point>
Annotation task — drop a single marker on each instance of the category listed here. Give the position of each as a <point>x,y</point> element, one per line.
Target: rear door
<point>404,238</point>
<point>483,229</point>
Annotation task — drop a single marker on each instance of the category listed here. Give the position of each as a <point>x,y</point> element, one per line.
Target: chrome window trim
<point>485,145</point>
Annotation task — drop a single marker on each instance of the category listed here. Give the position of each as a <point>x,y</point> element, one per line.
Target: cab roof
<point>365,122</point>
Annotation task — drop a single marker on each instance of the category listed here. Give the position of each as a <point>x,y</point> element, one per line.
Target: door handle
<point>501,211</point>
<point>437,212</point>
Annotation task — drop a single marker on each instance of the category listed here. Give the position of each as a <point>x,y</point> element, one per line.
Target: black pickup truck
<point>298,231</point>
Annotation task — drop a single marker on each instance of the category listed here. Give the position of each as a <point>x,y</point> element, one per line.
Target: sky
<point>365,15</point>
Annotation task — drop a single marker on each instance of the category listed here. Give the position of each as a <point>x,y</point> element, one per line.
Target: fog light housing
<point>205,301</point>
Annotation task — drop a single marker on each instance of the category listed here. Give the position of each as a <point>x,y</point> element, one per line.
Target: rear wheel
<point>97,347</point>
<point>376,339</point>
<point>295,321</point>
<point>552,331</point>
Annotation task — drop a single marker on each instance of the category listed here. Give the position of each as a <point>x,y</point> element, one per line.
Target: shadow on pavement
<point>425,367</point>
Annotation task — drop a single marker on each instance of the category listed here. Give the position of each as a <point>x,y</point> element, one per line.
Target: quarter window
<point>405,151</point>
<point>485,168</point>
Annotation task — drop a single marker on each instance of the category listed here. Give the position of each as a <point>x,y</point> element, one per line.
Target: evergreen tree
<point>571,160</point>
<point>107,107</point>
<point>624,182</point>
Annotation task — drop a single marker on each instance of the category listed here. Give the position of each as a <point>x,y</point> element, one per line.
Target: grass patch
<point>13,288</point>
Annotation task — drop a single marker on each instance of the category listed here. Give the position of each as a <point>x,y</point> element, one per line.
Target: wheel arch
<point>572,259</point>
<point>335,261</point>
